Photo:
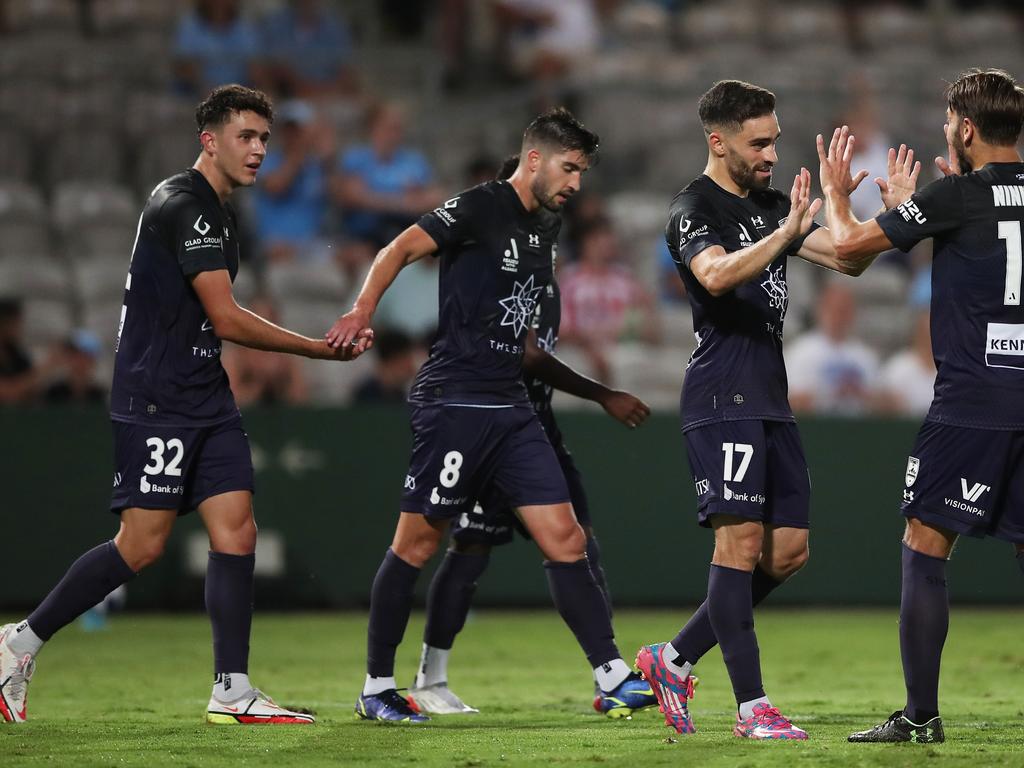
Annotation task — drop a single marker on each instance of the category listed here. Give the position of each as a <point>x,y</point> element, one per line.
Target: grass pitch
<point>134,695</point>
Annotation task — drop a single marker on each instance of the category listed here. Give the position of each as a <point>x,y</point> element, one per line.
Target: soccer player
<point>966,472</point>
<point>179,443</point>
<point>472,422</point>
<point>730,234</point>
<point>493,523</point>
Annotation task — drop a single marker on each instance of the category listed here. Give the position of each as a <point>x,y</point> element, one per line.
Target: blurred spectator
<point>908,378</point>
<point>602,303</point>
<point>483,167</point>
<point>20,380</point>
<point>829,372</point>
<point>290,203</point>
<point>263,377</point>
<point>78,384</point>
<point>545,39</point>
<point>394,369</point>
<point>871,151</point>
<point>410,304</point>
<point>214,44</point>
<point>308,50</point>
<point>384,186</point>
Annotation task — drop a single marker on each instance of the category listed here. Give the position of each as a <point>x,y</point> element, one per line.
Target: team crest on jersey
<point>913,467</point>
<point>519,307</point>
<point>777,290</point>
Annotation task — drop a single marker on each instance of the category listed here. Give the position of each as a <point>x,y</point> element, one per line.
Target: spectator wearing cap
<point>78,383</point>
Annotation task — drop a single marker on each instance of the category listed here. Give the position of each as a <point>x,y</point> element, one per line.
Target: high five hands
<point>836,176</point>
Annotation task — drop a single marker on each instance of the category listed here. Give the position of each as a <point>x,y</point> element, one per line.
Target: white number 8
<point>452,465</point>
<point>156,456</point>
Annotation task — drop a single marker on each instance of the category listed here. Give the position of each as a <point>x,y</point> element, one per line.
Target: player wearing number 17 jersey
<point>730,235</point>
<point>178,439</point>
<point>966,472</point>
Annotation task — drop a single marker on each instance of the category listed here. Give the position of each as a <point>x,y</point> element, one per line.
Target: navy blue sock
<point>924,621</point>
<point>390,606</point>
<point>697,637</point>
<point>594,558</point>
<point>90,578</point>
<point>229,603</point>
<point>449,597</point>
<point>732,616</point>
<point>582,606</point>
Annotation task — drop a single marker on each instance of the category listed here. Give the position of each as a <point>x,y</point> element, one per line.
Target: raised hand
<point>950,167</point>
<point>834,165</point>
<point>902,181</point>
<point>801,209</point>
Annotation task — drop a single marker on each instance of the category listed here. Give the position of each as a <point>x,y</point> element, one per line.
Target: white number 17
<point>747,452</point>
<point>1010,232</point>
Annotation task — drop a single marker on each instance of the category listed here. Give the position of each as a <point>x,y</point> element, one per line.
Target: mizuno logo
<point>974,493</point>
<point>202,230</point>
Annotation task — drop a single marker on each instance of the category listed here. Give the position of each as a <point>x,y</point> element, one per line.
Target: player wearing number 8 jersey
<point>472,422</point>
<point>178,438</point>
<point>730,235</point>
<point>966,472</point>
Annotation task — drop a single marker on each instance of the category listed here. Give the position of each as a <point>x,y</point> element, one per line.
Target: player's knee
<point>237,539</point>
<point>565,543</point>
<point>142,551</point>
<point>417,551</point>
<point>784,565</point>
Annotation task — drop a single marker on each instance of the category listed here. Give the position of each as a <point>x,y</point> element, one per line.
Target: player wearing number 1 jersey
<point>966,472</point>
<point>178,438</point>
<point>730,235</point>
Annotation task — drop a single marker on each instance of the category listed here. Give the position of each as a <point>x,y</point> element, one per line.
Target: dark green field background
<point>329,481</point>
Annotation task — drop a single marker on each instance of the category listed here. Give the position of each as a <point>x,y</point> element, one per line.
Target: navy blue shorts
<point>460,451</point>
<point>751,469</point>
<point>969,481</point>
<point>158,467</point>
<point>493,522</point>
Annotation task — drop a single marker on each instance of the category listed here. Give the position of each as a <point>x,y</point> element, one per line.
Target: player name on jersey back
<point>977,321</point>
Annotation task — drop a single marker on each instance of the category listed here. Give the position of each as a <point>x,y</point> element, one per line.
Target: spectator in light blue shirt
<point>290,203</point>
<point>214,44</point>
<point>384,186</point>
<point>309,51</point>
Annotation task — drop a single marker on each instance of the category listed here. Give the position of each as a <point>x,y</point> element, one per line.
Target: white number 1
<point>1010,232</point>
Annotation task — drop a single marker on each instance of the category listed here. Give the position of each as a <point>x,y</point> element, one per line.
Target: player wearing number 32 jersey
<point>178,438</point>
<point>966,472</point>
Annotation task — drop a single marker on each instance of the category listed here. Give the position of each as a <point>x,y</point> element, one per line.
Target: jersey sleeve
<point>194,234</point>
<point>691,228</point>
<point>933,210</point>
<point>797,244</point>
<point>455,221</point>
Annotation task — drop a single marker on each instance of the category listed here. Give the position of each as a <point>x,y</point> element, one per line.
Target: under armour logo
<point>534,240</point>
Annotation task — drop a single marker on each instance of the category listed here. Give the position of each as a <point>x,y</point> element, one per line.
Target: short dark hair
<point>226,100</point>
<point>508,167</point>
<point>559,128</point>
<point>992,100</point>
<point>730,103</point>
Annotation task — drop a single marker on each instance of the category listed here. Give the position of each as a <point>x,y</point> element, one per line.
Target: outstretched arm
<point>234,323</point>
<point>720,272</point>
<point>621,406</point>
<point>413,244</point>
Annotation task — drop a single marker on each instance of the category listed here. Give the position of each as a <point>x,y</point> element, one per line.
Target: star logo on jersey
<point>548,341</point>
<point>202,230</point>
<point>777,290</point>
<point>520,305</point>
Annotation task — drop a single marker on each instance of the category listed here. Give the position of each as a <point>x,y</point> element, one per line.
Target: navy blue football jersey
<point>737,370</point>
<point>496,264</point>
<point>977,321</point>
<point>547,320</point>
<point>167,367</point>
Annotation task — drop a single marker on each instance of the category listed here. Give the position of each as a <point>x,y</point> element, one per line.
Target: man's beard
<point>746,177</point>
<point>961,154</point>
<point>549,201</point>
